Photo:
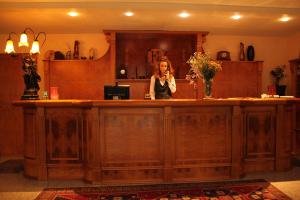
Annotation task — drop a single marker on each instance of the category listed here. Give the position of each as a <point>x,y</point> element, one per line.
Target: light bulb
<point>23,40</point>
<point>9,48</point>
<point>35,47</point>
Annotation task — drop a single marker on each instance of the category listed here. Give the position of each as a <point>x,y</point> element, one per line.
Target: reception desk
<point>161,141</point>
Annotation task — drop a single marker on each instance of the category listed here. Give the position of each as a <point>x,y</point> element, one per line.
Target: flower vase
<point>207,85</point>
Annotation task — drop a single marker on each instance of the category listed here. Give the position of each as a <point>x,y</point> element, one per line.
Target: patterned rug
<point>233,190</point>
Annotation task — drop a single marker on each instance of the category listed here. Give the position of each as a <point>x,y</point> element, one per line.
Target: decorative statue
<point>31,78</point>
<point>242,52</point>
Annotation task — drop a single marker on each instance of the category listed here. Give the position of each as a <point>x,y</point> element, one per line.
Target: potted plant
<point>278,73</point>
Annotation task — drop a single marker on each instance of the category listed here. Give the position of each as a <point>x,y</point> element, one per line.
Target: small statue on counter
<point>76,50</point>
<point>242,52</point>
<point>31,78</point>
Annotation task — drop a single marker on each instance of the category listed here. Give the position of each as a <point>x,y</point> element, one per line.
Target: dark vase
<point>280,90</point>
<point>207,86</point>
<point>250,53</point>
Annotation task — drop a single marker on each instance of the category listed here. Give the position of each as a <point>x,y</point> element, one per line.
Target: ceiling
<point>258,17</point>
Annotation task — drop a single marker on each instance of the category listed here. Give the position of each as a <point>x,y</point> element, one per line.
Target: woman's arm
<point>172,84</point>
<point>152,84</point>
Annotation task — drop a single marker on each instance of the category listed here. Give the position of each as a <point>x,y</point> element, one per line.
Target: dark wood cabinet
<point>295,76</point>
<point>295,85</point>
<point>139,51</point>
<point>11,121</point>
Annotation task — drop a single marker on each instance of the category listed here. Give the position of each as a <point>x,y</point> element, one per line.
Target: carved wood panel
<point>202,133</point>
<point>259,147</point>
<point>64,135</point>
<point>288,130</point>
<point>131,143</point>
<point>202,142</point>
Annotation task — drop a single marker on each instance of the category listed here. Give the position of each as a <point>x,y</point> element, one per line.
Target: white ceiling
<point>259,17</point>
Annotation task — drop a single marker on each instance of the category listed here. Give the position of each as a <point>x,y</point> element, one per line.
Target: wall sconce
<point>31,77</point>
<point>35,48</point>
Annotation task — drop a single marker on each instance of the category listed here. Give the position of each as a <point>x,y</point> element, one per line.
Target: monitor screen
<point>116,91</point>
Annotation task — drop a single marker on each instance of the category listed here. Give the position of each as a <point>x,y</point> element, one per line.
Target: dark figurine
<point>31,78</point>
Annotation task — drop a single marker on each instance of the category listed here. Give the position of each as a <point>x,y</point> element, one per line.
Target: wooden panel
<point>202,143</point>
<point>238,79</point>
<point>295,77</point>
<point>30,135</point>
<point>65,172</point>
<point>138,88</point>
<point>295,91</point>
<point>79,79</point>
<point>201,134</point>
<point>284,136</point>
<point>64,135</point>
<point>131,141</point>
<point>259,147</point>
<point>11,118</point>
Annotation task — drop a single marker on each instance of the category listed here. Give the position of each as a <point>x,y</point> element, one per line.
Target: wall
<point>270,49</point>
<point>294,46</point>
<point>273,51</point>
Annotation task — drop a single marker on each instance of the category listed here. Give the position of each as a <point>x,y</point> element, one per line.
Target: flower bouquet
<point>203,66</point>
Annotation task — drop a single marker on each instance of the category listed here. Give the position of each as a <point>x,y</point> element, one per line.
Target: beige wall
<point>294,46</point>
<point>272,50</point>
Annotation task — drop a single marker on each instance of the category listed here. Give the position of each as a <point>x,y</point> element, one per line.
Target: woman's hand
<point>167,75</point>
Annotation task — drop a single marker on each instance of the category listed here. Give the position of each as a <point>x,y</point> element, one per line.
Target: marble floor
<point>13,186</point>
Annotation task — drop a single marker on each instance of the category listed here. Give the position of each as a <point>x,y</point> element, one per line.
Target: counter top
<point>155,103</point>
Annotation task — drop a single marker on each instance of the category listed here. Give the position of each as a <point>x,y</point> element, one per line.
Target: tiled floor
<point>14,186</point>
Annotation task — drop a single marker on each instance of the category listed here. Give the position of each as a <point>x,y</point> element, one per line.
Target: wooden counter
<point>139,141</point>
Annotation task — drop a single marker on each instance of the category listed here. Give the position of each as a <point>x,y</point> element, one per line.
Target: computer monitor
<point>116,91</point>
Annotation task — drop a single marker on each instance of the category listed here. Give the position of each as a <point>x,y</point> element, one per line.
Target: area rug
<point>235,190</point>
<point>11,166</point>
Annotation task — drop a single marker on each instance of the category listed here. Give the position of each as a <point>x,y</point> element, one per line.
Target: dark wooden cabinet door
<point>11,118</point>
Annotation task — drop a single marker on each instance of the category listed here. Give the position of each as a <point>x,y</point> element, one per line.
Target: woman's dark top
<point>162,91</point>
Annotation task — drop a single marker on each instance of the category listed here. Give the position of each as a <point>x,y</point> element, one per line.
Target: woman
<point>162,83</point>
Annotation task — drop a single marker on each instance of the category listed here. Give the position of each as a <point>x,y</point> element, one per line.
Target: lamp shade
<point>35,47</point>
<point>23,40</point>
<point>9,48</point>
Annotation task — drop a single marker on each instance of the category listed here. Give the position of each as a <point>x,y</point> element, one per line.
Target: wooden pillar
<point>237,142</point>
<point>111,39</point>
<point>280,139</point>
<point>259,77</point>
<point>201,38</point>
<point>168,145</point>
<point>93,146</point>
<point>47,76</point>
<point>41,143</point>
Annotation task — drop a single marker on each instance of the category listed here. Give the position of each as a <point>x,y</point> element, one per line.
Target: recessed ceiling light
<point>129,14</point>
<point>184,14</point>
<point>284,18</point>
<point>236,17</point>
<point>73,13</point>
